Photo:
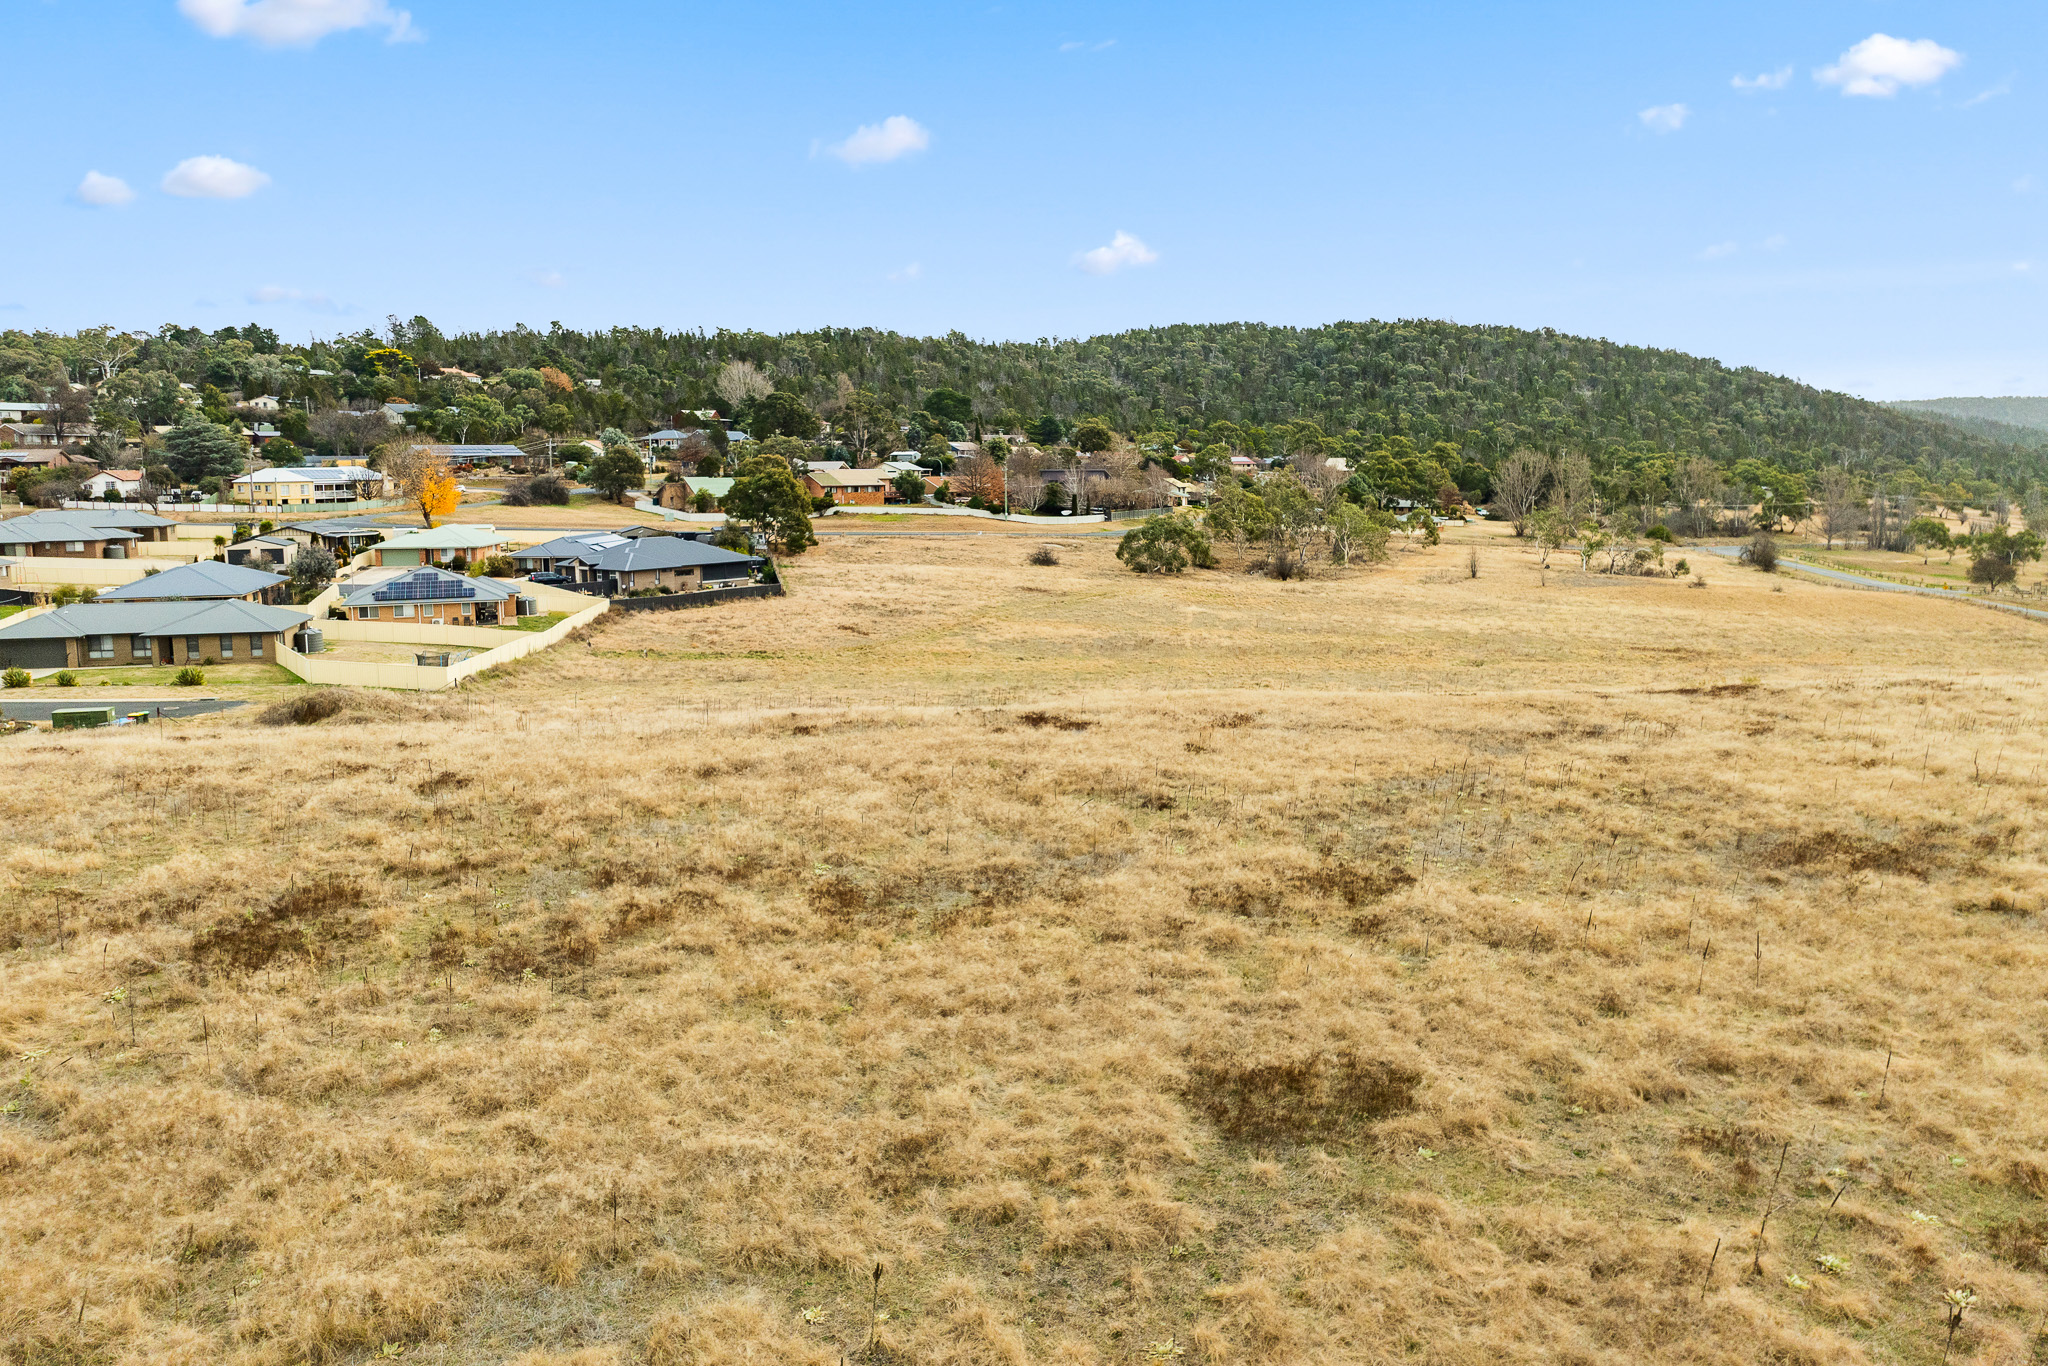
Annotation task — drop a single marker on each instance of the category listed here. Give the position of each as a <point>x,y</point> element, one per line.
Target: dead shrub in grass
<point>1301,1097</point>
<point>313,705</point>
<point>284,928</point>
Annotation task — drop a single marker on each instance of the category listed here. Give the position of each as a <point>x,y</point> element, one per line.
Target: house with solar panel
<point>433,597</point>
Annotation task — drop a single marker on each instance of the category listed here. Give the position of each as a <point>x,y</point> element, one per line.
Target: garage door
<point>401,557</point>
<point>32,654</point>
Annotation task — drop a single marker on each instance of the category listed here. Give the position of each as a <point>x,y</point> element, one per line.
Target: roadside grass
<point>1389,966</point>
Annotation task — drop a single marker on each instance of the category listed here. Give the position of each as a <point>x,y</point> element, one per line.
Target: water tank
<point>527,607</point>
<point>310,641</point>
<point>117,552</point>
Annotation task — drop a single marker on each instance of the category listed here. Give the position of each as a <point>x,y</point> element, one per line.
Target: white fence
<point>938,510</point>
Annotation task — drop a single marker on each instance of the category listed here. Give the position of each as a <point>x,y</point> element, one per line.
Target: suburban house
<point>343,537</point>
<point>398,414</point>
<point>681,494</point>
<point>1069,479</point>
<point>439,545</point>
<point>317,484</point>
<point>120,483</point>
<point>569,555</point>
<point>82,533</point>
<point>480,455</point>
<point>437,597</point>
<point>263,403</point>
<point>11,411</point>
<point>868,488</point>
<point>98,634</point>
<point>271,551</point>
<point>27,434</point>
<point>667,439</point>
<point>204,579</point>
<point>670,562</point>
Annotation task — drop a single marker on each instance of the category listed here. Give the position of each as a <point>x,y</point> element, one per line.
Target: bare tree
<point>353,435</point>
<point>1695,482</point>
<point>741,380</point>
<point>105,349</point>
<point>1840,507</point>
<point>1571,489</point>
<point>1516,484</point>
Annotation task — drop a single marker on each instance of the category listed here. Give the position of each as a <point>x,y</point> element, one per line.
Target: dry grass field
<point>1390,967</point>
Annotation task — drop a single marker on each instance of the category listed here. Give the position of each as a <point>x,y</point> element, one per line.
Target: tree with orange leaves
<point>422,475</point>
<point>557,381</point>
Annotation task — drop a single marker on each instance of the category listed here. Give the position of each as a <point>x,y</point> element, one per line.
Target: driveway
<point>1885,586</point>
<point>169,710</point>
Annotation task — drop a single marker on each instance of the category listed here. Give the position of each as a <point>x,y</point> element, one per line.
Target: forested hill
<point>1487,390</point>
<point>2018,421</point>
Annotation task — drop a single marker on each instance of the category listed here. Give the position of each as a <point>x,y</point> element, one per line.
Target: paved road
<point>1885,586</point>
<point>40,711</point>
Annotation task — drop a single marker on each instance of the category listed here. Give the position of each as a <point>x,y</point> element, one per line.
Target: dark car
<point>553,580</point>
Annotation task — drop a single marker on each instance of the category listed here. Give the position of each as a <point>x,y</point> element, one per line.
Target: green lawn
<point>539,623</point>
<point>9,611</point>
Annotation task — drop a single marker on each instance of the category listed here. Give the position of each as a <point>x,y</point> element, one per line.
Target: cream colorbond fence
<point>427,678</point>
<point>39,571</point>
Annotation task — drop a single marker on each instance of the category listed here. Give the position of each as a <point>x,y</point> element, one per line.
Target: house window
<point>75,547</point>
<point>227,647</point>
<point>99,647</point>
<point>255,647</point>
<point>403,609</point>
<point>141,647</point>
<point>191,647</point>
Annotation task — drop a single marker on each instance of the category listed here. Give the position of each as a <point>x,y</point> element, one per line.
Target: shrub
<point>67,679</point>
<point>1660,532</point>
<point>1165,545</point>
<point>15,678</point>
<point>459,563</point>
<point>517,496</point>
<point>305,708</point>
<point>498,567</point>
<point>1044,555</point>
<point>189,677</point>
<point>1761,552</point>
<point>549,489</point>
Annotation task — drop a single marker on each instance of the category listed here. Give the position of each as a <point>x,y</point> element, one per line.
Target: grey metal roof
<point>580,545</point>
<point>113,516</point>
<point>428,585</point>
<point>204,579</point>
<point>152,619</point>
<point>667,552</point>
<point>34,531</point>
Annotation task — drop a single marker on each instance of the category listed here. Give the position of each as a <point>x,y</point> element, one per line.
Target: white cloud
<point>1985,96</point>
<point>1880,64</point>
<point>893,137</point>
<point>278,294</point>
<point>1102,46</point>
<point>1665,118</point>
<point>1777,241</point>
<point>549,279</point>
<point>907,274</point>
<point>1719,250</point>
<point>296,23</point>
<point>213,178</point>
<point>1769,80</point>
<point>104,191</point>
<point>1123,250</point>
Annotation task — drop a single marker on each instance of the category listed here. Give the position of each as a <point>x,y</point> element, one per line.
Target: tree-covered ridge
<point>2009,411</point>
<point>1485,390</point>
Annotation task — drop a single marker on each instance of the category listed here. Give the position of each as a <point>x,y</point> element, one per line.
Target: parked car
<point>552,580</point>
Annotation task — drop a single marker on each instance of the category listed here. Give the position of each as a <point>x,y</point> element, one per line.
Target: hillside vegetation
<point>1397,966</point>
<point>2019,422</point>
<point>1483,390</point>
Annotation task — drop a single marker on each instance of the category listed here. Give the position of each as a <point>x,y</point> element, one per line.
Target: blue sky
<point>1865,213</point>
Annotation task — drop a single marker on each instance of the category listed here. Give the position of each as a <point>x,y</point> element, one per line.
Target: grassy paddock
<point>1397,966</point>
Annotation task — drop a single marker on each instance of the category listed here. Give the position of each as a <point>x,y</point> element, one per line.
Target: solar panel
<point>422,588</point>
